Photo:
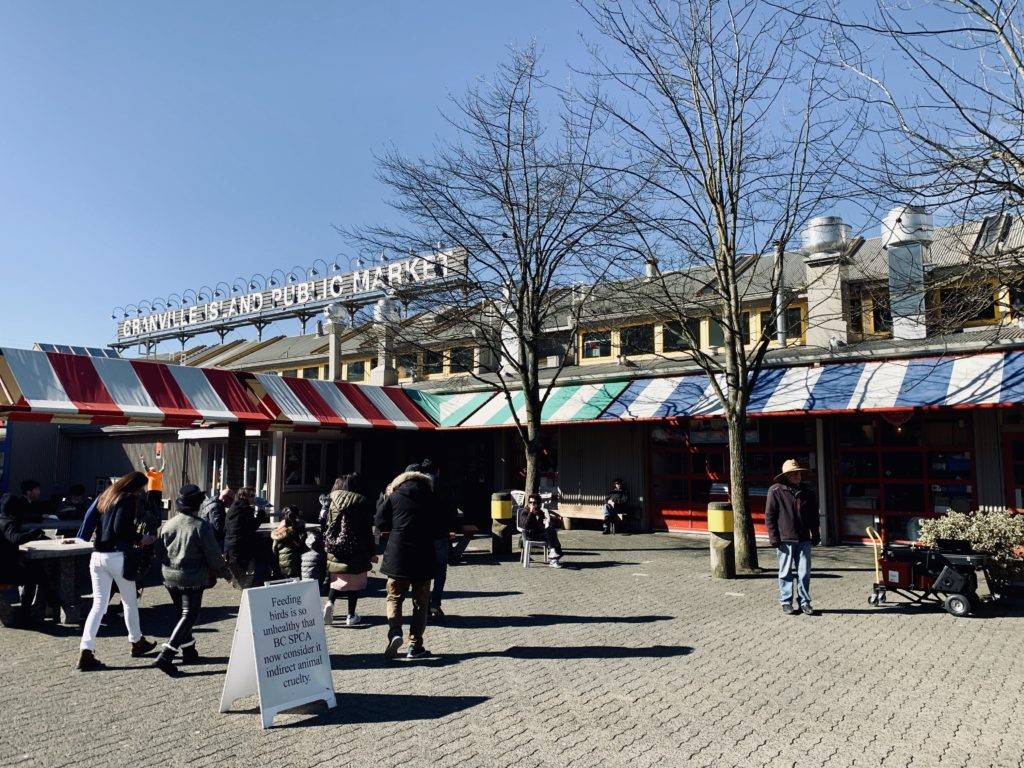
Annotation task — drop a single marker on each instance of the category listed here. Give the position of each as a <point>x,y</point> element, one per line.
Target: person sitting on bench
<point>615,505</point>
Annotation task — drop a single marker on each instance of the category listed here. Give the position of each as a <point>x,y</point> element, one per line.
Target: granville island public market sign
<point>291,300</point>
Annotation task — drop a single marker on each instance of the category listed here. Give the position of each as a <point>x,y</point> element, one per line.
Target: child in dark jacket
<point>289,544</point>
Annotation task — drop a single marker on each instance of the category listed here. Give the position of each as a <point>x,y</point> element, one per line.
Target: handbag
<point>132,568</point>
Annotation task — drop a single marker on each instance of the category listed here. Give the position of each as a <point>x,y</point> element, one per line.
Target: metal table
<point>56,555</point>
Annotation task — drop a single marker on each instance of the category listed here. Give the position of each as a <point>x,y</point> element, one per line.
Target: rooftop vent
<point>825,234</point>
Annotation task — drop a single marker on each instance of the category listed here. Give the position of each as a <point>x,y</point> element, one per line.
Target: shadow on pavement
<point>460,594</point>
<point>580,565</point>
<point>535,653</point>
<point>541,620</point>
<point>366,708</point>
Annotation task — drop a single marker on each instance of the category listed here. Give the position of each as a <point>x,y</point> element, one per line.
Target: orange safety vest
<point>156,480</point>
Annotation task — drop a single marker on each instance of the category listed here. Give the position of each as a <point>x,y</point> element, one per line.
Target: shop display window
<point>691,461</point>
<point>902,469</point>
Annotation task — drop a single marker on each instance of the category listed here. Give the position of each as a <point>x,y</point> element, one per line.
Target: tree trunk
<point>531,451</point>
<point>743,523</point>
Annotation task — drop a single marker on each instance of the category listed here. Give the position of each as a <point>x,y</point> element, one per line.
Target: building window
<point>856,309</point>
<point>794,323</point>
<point>406,365</point>
<point>311,373</point>
<point>433,362</point>
<point>716,334</point>
<point>677,338</point>
<point>291,373</point>
<point>355,371</point>
<point>637,340</point>
<point>303,464</point>
<point>597,344</point>
<point>967,304</point>
<point>461,360</point>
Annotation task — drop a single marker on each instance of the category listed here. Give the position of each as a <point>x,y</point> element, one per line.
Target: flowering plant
<point>1000,534</point>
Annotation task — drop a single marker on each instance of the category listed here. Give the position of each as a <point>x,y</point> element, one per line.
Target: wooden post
<point>721,542</point>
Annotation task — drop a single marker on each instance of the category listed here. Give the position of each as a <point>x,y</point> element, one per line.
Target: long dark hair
<point>352,483</point>
<point>131,483</point>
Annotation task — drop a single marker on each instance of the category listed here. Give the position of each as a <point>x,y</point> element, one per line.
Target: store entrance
<point>690,467</point>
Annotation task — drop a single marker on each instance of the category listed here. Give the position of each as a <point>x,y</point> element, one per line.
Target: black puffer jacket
<point>791,514</point>
<point>408,512</point>
<point>241,540</point>
<point>357,513</point>
<point>11,538</point>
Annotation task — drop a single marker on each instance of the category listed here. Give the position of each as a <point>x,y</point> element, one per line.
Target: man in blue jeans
<point>791,516</point>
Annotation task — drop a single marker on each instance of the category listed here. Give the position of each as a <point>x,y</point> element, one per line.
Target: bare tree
<point>943,87</point>
<point>524,191</point>
<point>737,132</point>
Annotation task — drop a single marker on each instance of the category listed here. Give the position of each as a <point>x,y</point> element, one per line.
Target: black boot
<point>165,661</point>
<point>87,661</point>
<point>141,647</point>
<point>189,654</point>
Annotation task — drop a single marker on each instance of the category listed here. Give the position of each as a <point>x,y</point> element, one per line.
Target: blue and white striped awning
<point>885,385</point>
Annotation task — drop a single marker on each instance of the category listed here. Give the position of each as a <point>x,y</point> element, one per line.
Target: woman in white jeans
<point>116,534</point>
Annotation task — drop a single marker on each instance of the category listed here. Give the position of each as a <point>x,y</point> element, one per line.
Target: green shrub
<point>997,534</point>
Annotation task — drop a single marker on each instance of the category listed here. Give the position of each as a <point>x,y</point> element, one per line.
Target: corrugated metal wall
<point>590,457</point>
<point>34,456</point>
<point>94,457</point>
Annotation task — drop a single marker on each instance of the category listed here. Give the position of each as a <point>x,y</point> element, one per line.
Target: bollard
<point>503,527</point>
<point>720,535</point>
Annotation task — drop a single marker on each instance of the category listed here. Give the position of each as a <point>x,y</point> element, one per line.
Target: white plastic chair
<point>526,545</point>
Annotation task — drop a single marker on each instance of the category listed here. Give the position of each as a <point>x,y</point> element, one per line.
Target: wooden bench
<point>569,512</point>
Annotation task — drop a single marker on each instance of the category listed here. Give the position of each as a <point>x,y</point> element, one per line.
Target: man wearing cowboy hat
<point>791,515</point>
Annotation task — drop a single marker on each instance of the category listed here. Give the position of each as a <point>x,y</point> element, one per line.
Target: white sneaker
<point>555,564</point>
<point>328,614</point>
<point>351,621</point>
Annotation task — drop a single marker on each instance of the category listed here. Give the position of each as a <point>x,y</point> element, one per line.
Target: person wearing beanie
<point>190,559</point>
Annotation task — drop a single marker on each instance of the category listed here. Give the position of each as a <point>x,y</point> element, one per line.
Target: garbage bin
<point>503,525</point>
<point>721,542</point>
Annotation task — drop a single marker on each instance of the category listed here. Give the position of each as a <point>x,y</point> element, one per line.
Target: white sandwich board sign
<point>279,650</point>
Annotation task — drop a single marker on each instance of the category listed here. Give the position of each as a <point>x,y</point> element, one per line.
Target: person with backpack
<point>115,558</point>
<point>408,512</point>
<point>215,511</point>
<point>348,541</point>
<point>288,543</point>
<point>190,561</point>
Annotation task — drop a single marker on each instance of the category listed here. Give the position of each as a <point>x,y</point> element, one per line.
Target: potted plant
<point>998,534</point>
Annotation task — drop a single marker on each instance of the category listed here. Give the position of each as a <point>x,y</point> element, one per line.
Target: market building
<point>905,411</point>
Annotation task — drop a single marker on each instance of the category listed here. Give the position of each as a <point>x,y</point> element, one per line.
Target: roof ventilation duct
<point>824,245</point>
<point>907,233</point>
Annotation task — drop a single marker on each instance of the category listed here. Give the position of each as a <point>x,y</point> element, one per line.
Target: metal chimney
<point>823,245</point>
<point>907,233</point>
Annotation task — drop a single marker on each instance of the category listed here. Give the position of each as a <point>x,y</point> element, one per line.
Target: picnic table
<point>60,556</point>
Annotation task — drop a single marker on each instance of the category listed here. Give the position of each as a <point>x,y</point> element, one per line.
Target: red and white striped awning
<point>53,386</point>
<point>312,403</point>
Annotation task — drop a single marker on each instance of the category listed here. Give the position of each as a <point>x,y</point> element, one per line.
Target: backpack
<point>339,541</point>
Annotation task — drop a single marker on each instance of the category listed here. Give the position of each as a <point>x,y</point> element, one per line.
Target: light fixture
<point>336,267</point>
<point>272,281</point>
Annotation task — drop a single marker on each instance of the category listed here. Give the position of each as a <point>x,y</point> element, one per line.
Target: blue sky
<point>150,147</point>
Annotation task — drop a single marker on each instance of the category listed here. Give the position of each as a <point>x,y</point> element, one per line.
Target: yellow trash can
<point>720,539</point>
<point>501,506</point>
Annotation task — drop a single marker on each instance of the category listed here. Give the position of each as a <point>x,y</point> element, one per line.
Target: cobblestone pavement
<point>637,658</point>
